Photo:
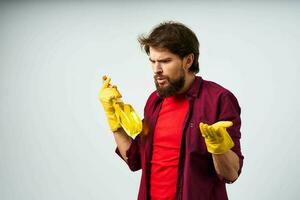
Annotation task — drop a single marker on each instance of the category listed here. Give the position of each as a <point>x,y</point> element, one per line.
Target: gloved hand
<point>106,96</point>
<point>217,139</point>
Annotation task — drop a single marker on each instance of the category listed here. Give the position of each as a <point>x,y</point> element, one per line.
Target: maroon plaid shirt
<point>197,178</point>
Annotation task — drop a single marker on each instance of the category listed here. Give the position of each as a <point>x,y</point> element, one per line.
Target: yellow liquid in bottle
<point>128,118</point>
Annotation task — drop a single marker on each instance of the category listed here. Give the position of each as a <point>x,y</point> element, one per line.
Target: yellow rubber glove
<point>119,114</point>
<point>106,96</point>
<point>217,139</point>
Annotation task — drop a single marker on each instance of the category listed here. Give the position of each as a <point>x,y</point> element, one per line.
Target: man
<point>189,147</point>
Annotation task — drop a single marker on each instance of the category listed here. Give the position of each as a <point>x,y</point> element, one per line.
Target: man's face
<point>169,75</point>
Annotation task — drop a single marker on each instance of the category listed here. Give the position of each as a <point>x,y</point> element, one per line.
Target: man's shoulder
<point>215,91</point>
<point>214,88</point>
<point>217,94</point>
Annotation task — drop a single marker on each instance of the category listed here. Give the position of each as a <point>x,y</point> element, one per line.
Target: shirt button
<point>192,124</point>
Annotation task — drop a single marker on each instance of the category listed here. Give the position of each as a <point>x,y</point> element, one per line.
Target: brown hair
<point>175,37</point>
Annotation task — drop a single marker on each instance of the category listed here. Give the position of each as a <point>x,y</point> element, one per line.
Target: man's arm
<point>123,142</point>
<point>125,145</point>
<point>227,165</point>
<point>219,143</point>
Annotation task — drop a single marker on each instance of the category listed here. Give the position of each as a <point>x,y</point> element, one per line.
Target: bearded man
<point>191,146</point>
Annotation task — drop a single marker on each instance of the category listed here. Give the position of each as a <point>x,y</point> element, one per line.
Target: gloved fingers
<point>224,132</point>
<point>223,124</point>
<point>203,133</point>
<point>215,131</point>
<point>206,131</point>
<point>113,93</point>
<point>116,92</point>
<point>211,132</point>
<point>107,94</point>
<point>106,82</point>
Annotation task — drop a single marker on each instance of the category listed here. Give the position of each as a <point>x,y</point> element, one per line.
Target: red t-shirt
<point>166,148</point>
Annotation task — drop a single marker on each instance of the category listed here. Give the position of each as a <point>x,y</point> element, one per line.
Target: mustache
<point>156,76</point>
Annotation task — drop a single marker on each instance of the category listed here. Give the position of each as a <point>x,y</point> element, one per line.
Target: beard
<point>175,85</point>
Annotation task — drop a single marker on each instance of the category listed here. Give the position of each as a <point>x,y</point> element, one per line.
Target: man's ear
<point>188,61</point>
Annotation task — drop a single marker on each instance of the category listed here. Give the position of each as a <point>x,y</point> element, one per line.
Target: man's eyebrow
<point>161,60</point>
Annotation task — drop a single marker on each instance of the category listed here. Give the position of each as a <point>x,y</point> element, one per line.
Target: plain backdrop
<point>54,139</point>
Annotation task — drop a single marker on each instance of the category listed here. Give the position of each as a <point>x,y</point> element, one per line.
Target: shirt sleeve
<point>134,159</point>
<point>229,110</point>
<point>133,155</point>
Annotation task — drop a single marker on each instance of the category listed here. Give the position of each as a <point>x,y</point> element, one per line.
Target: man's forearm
<point>123,142</point>
<point>227,165</point>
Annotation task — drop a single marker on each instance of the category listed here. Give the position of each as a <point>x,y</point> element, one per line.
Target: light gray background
<point>54,139</point>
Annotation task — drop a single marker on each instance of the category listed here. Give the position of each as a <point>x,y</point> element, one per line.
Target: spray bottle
<point>127,117</point>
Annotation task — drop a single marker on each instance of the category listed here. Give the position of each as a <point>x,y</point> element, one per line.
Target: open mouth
<point>160,80</point>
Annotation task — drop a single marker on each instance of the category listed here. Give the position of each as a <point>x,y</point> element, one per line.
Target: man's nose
<point>157,68</point>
